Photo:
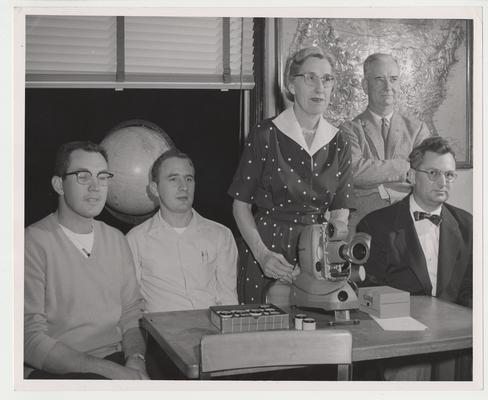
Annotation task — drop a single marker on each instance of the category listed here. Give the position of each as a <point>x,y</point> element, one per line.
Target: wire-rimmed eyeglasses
<point>434,174</point>
<point>312,79</point>
<point>85,177</point>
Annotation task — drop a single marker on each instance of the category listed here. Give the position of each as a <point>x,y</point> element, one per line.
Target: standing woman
<point>293,169</point>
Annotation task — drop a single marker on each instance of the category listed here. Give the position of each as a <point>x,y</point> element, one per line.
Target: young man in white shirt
<point>183,260</point>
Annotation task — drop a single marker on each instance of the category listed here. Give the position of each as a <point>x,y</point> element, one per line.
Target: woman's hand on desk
<point>275,266</point>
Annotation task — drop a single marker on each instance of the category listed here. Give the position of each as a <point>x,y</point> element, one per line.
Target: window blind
<point>175,52</point>
<point>63,47</point>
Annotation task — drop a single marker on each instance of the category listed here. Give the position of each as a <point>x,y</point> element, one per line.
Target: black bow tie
<point>435,219</point>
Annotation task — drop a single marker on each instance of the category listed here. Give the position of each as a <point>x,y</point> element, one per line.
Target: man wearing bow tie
<point>381,139</point>
<point>422,244</point>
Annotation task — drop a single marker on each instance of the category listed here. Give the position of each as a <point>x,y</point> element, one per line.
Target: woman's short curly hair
<point>296,60</point>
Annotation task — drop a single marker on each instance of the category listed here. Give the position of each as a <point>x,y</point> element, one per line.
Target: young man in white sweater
<point>81,301</point>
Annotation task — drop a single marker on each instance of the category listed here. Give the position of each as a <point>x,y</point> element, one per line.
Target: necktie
<point>435,219</point>
<point>384,128</point>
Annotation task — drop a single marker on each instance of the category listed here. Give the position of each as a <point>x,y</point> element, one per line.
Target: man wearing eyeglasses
<point>381,139</point>
<point>82,303</point>
<point>422,244</point>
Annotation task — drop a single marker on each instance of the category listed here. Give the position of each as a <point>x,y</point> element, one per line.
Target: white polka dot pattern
<point>282,179</point>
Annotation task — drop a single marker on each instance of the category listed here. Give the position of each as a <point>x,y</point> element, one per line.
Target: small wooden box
<point>384,301</point>
<point>248,317</point>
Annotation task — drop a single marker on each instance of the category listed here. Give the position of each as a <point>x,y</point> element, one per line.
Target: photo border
<point>18,169</point>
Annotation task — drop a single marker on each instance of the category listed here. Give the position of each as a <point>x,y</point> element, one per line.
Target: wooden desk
<point>450,328</point>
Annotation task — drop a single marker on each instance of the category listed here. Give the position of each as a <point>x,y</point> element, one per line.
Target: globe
<point>132,147</point>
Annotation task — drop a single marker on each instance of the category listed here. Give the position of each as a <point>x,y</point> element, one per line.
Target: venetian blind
<point>63,47</point>
<point>179,52</point>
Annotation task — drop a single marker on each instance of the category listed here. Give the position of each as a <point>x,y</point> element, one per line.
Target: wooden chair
<point>234,353</point>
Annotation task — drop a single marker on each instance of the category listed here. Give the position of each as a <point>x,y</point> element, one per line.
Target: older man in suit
<point>422,244</point>
<point>381,140</point>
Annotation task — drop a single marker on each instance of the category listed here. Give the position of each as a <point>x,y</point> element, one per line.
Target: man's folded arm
<point>369,173</point>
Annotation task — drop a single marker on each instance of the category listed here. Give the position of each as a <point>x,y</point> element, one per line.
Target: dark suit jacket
<point>397,258</point>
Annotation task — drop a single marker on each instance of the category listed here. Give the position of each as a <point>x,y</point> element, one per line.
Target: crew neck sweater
<point>85,303</point>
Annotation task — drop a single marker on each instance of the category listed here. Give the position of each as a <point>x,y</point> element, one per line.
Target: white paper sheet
<point>400,324</point>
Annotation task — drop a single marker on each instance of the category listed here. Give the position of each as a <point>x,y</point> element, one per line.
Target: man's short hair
<point>64,152</point>
<point>296,60</point>
<point>435,144</point>
<point>171,153</point>
<point>375,57</point>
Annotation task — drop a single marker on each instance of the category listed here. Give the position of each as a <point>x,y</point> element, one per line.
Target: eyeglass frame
<point>314,79</point>
<point>438,174</point>
<point>110,175</point>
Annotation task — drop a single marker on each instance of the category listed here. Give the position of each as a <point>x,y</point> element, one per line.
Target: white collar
<point>166,225</point>
<point>287,123</point>
<point>378,118</point>
<point>75,234</point>
<point>82,241</point>
<point>414,206</point>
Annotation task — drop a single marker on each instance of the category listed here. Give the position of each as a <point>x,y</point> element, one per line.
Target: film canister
<point>309,324</point>
<point>299,321</point>
<point>225,314</point>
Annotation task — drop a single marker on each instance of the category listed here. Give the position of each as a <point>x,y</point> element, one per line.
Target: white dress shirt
<point>389,194</point>
<point>428,234</point>
<point>378,118</point>
<point>194,269</point>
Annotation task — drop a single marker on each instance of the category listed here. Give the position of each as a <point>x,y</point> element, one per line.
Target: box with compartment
<point>248,317</point>
<point>384,301</point>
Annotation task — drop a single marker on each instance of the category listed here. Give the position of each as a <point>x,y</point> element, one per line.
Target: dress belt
<point>304,219</point>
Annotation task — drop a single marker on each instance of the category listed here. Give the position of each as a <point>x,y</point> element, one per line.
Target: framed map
<point>435,60</point>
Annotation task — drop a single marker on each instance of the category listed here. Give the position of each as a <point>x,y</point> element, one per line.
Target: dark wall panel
<point>202,123</point>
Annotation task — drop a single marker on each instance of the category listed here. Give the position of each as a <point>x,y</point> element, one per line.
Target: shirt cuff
<point>383,192</point>
<point>39,351</point>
